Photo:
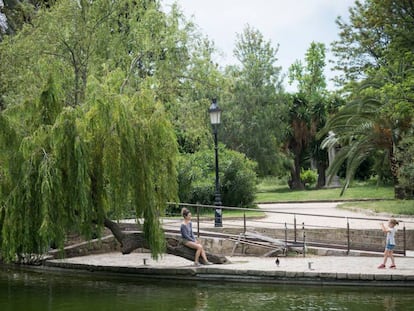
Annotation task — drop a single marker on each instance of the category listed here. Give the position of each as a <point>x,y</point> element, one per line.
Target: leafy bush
<point>405,156</point>
<point>196,178</point>
<point>308,177</point>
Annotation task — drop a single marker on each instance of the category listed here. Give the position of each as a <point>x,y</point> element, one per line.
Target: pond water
<point>33,290</point>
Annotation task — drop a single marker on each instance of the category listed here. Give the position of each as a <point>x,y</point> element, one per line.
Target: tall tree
<point>307,113</point>
<point>83,165</point>
<point>376,54</point>
<point>85,133</point>
<point>254,103</point>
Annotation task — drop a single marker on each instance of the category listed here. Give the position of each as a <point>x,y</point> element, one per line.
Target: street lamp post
<point>215,114</point>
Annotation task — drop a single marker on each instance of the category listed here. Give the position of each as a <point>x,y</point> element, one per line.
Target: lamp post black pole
<point>217,197</point>
<point>215,116</point>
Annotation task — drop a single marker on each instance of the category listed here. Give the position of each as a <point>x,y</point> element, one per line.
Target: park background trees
<point>375,53</point>
<point>255,103</point>
<point>307,115</point>
<point>104,113</point>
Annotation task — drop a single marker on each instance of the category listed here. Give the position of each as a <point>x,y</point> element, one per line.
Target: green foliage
<point>113,152</point>
<point>19,12</point>
<point>196,178</point>
<point>375,53</point>
<point>254,105</point>
<point>377,30</point>
<point>308,110</point>
<point>358,135</point>
<point>310,77</point>
<point>308,177</point>
<point>78,149</point>
<point>405,155</point>
<point>89,89</point>
<point>239,180</point>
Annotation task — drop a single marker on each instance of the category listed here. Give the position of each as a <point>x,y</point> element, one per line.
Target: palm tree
<point>301,133</point>
<point>361,130</point>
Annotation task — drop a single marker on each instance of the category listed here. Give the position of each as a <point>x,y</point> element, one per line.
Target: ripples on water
<point>22,290</point>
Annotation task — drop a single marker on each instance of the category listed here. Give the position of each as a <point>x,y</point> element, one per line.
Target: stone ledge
<point>238,275</point>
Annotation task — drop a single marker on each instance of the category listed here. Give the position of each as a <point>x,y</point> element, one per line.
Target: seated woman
<point>189,240</point>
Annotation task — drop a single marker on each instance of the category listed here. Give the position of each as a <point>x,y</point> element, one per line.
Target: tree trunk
<point>400,192</point>
<point>295,183</point>
<point>321,168</point>
<point>132,241</point>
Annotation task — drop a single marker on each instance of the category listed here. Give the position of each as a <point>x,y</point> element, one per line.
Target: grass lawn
<point>271,190</point>
<point>394,207</point>
<point>352,193</point>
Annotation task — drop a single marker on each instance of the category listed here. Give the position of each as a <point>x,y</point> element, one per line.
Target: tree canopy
<point>84,134</point>
<point>255,103</point>
<point>307,114</point>
<point>376,53</point>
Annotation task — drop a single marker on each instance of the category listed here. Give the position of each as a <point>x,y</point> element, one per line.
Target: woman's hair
<point>394,221</point>
<point>185,211</point>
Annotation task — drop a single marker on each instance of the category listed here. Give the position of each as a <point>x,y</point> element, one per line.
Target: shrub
<point>308,177</point>
<point>196,178</point>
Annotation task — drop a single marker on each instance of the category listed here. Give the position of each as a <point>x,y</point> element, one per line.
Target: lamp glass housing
<point>215,113</point>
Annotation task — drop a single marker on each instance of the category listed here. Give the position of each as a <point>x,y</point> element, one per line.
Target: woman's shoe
<point>197,264</point>
<point>208,263</point>
<point>393,267</point>
<point>381,266</point>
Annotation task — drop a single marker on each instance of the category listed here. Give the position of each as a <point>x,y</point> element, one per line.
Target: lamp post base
<point>218,217</point>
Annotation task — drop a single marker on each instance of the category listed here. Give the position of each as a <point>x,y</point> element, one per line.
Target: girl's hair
<point>185,211</point>
<point>394,221</point>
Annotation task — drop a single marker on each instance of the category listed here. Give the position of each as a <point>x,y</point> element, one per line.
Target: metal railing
<point>310,234</point>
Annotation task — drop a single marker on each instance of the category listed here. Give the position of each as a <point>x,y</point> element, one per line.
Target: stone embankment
<point>320,270</point>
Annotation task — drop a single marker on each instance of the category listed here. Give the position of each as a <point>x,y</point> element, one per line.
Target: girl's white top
<point>391,236</point>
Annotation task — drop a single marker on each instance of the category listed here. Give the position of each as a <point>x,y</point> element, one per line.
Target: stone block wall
<point>364,239</point>
<point>359,240</point>
<point>97,246</point>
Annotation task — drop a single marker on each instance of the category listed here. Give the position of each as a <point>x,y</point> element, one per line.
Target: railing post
<point>294,227</point>
<point>304,239</point>
<point>405,241</point>
<point>348,237</point>
<point>244,222</point>
<point>285,236</point>
<point>198,221</point>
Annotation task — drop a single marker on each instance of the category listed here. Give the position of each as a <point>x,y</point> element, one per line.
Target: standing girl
<point>189,240</point>
<point>390,243</point>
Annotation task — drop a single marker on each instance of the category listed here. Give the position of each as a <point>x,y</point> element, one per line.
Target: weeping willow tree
<point>81,165</point>
<point>83,132</point>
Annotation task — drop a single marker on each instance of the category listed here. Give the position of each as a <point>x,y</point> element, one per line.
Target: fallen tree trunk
<point>131,241</point>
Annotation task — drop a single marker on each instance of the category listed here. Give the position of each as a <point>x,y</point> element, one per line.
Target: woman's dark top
<point>187,232</point>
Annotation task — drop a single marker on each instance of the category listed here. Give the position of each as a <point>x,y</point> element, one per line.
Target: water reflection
<point>22,290</point>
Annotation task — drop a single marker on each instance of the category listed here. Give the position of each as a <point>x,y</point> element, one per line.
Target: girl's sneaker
<point>393,267</point>
<point>381,266</point>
